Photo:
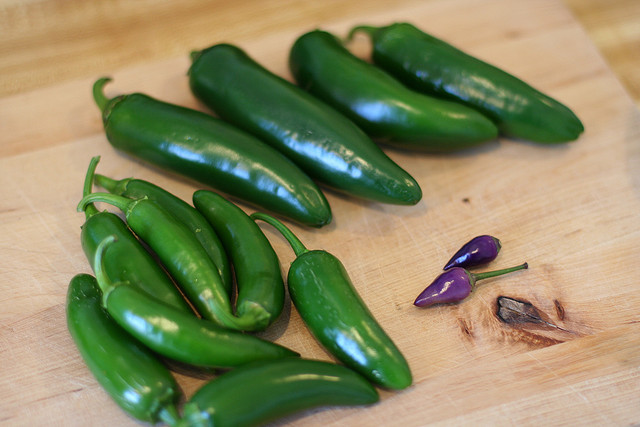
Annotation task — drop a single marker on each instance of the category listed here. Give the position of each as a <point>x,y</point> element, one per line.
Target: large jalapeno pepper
<point>323,142</point>
<point>255,263</point>
<point>173,334</point>
<point>435,67</point>
<point>182,255</point>
<point>337,317</point>
<point>210,151</point>
<point>128,261</point>
<point>130,373</point>
<point>382,106</point>
<point>261,392</point>
<point>182,211</point>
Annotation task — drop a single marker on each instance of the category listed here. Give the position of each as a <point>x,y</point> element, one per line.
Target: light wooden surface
<point>570,211</point>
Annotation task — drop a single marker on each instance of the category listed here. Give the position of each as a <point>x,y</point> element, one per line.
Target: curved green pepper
<point>258,393</point>
<point>181,210</point>
<point>127,261</point>
<point>323,142</point>
<point>212,152</point>
<point>173,334</point>
<point>255,263</point>
<point>132,375</point>
<point>382,106</point>
<point>433,66</point>
<point>337,317</point>
<point>182,255</point>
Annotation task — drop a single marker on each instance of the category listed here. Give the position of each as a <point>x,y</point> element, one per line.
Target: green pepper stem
<point>98,93</point>
<point>169,415</point>
<point>368,29</point>
<point>487,274</point>
<point>120,202</point>
<point>296,244</point>
<point>98,262</point>
<point>90,209</point>
<point>112,185</point>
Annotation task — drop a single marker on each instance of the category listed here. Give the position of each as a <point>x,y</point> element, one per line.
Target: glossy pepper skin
<point>262,392</point>
<point>256,265</point>
<point>456,284</point>
<point>212,152</point>
<point>477,251</point>
<point>383,107</point>
<point>127,261</point>
<point>338,318</point>
<point>128,371</point>
<point>181,254</point>
<point>182,211</point>
<point>169,332</point>
<point>323,142</point>
<point>434,67</point>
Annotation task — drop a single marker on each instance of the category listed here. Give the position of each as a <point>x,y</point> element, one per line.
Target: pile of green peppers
<point>273,142</point>
<point>192,283</point>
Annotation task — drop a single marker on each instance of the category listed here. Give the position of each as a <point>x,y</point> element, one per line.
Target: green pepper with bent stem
<point>183,256</point>
<point>128,261</point>
<point>255,263</point>
<point>323,142</point>
<point>210,151</point>
<point>383,107</point>
<point>337,317</point>
<point>182,211</point>
<point>432,66</point>
<point>128,371</point>
<point>262,392</point>
<point>173,334</point>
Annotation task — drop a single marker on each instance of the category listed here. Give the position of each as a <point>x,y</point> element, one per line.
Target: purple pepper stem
<point>456,284</point>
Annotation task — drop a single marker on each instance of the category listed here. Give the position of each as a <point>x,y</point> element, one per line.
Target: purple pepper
<point>479,250</point>
<point>456,284</point>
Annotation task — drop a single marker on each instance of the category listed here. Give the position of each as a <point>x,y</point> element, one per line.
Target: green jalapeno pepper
<point>323,142</point>
<point>382,106</point>
<point>173,334</point>
<point>128,261</point>
<point>256,265</point>
<point>182,211</point>
<point>182,255</point>
<point>128,371</point>
<point>338,318</point>
<point>261,392</point>
<point>201,147</point>
<point>433,66</point>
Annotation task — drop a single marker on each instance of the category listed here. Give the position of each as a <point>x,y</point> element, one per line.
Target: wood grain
<point>571,211</point>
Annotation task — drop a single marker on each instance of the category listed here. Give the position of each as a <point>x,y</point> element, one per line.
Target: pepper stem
<point>169,415</point>
<point>120,202</point>
<point>368,29</point>
<point>98,262</point>
<point>112,185</point>
<point>98,93</point>
<point>296,244</point>
<point>90,209</point>
<point>487,274</point>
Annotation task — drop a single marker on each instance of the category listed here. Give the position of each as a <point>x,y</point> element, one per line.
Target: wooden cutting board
<point>572,212</point>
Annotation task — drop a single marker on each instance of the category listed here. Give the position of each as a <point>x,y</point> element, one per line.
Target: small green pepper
<point>181,210</point>
<point>132,375</point>
<point>255,263</point>
<point>323,142</point>
<point>173,334</point>
<point>210,151</point>
<point>337,317</point>
<point>182,255</point>
<point>262,392</point>
<point>382,106</point>
<point>433,66</point>
<point>127,261</point>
